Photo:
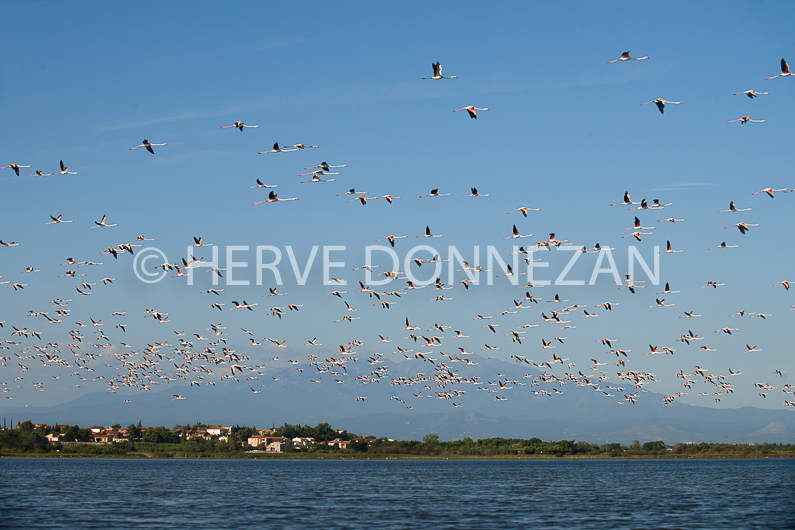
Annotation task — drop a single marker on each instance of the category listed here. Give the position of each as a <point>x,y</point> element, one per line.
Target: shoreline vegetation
<point>27,440</point>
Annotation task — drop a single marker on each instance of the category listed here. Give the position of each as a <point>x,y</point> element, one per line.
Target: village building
<point>217,431</point>
<point>271,444</point>
<point>104,437</point>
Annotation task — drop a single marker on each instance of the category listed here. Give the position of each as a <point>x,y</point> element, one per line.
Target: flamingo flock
<point>214,355</point>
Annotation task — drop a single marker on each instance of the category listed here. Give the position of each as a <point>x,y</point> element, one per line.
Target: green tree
<point>360,446</point>
<point>653,446</point>
<point>26,426</point>
<point>243,433</point>
<point>133,432</point>
<point>160,435</point>
<point>430,439</point>
<point>74,433</point>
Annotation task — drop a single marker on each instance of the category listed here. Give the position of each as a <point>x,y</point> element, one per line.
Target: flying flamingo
<point>724,245</point>
<point>261,185</point>
<point>625,57</point>
<point>324,166</point>
<point>626,202</point>
<point>742,227</point>
<point>102,224</point>
<point>352,191</point>
<point>244,305</point>
<point>58,219</point>
<point>319,172</point>
<point>146,143</point>
<point>668,290</point>
<point>435,193</point>
<point>437,72</point>
<point>661,303</point>
<point>746,119</point>
<point>273,198</point>
<point>515,234</point>
<point>769,191</point>
<point>644,205</point>
<point>660,102</point>
<point>316,178</point>
<point>238,125</point>
<point>277,149</point>
<point>64,171</point>
<point>387,197</point>
<point>733,208</point>
<point>361,198</point>
<point>524,210</point>
<point>475,193</point>
<point>690,314</point>
<point>637,235</point>
<point>750,93</point>
<point>637,226</point>
<point>428,233</point>
<point>14,166</point>
<point>392,239</point>
<point>471,110</point>
<point>784,70</point>
<point>784,283</point>
<point>669,249</point>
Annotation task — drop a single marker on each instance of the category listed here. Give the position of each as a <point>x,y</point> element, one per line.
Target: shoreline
<point>283,456</point>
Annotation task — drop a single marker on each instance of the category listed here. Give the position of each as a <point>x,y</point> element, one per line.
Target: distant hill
<point>578,413</point>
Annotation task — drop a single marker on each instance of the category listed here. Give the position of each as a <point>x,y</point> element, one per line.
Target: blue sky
<point>565,132</point>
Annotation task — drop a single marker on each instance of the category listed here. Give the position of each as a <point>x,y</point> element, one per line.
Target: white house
<point>217,431</point>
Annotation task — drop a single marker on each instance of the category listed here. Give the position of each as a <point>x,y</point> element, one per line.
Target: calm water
<point>478,494</point>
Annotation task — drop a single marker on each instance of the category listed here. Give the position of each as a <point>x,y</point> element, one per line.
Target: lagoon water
<point>481,494</point>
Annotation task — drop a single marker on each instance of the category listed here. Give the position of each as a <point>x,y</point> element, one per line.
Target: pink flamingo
<point>14,166</point>
<point>435,193</point>
<point>524,210</point>
<point>146,143</point>
<point>625,57</point>
<point>261,185</point>
<point>471,110</point>
<point>660,102</point>
<point>746,119</point>
<point>750,93</point>
<point>769,191</point>
<point>627,201</point>
<point>273,198</point>
<point>428,233</point>
<point>784,70</point>
<point>743,227</point>
<point>515,234</point>
<point>64,171</point>
<point>437,72</point>
<point>733,208</point>
<point>324,166</point>
<point>277,149</point>
<point>238,125</point>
